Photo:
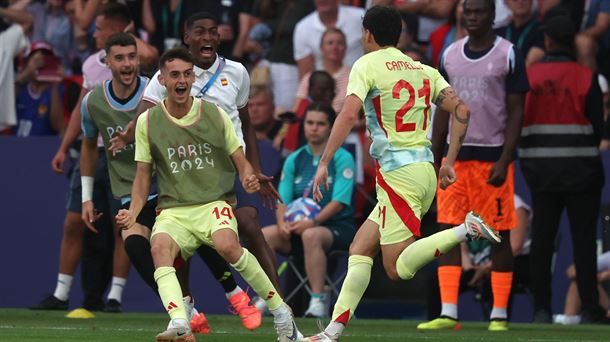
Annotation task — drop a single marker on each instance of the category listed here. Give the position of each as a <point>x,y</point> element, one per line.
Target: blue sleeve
<point>87,125</point>
<point>516,80</point>
<point>286,186</point>
<point>345,169</point>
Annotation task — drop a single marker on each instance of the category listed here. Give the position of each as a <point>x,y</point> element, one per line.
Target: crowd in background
<point>298,52</point>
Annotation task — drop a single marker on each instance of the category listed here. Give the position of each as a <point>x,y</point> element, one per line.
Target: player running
<point>396,93</point>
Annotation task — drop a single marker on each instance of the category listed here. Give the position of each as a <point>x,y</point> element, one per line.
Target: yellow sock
<point>253,274</point>
<point>355,283</point>
<point>170,292</point>
<point>422,251</point>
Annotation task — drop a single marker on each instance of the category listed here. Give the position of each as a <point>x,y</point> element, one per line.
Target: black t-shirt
<point>289,14</point>
<point>524,38</point>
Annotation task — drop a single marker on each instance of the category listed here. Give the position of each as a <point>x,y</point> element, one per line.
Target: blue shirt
<point>297,180</point>
<point>33,113</point>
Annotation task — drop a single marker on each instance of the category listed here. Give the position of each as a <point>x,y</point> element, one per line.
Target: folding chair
<point>333,259</point>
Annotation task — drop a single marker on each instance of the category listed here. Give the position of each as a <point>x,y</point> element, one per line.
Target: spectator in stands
<point>593,41</point>
<point>308,34</point>
<point>524,30</point>
<point>261,109</point>
<point>322,90</point>
<point>52,25</point>
<point>443,36</point>
<point>14,24</point>
<point>332,48</point>
<point>39,98</point>
<point>572,307</point>
<point>431,14</point>
<point>333,228</point>
<point>561,164</point>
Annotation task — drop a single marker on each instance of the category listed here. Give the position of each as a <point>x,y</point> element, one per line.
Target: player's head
<point>321,87</point>
<point>176,74</point>
<point>333,45</point>
<point>479,16</point>
<point>114,17</point>
<point>318,121</point>
<point>202,37</point>
<point>382,26</point>
<point>559,34</point>
<point>122,58</point>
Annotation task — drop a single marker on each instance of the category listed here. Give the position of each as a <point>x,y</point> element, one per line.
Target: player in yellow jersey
<point>396,93</point>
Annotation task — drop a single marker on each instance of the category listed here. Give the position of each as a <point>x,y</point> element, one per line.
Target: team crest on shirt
<point>348,173</point>
<point>224,82</point>
<point>42,110</point>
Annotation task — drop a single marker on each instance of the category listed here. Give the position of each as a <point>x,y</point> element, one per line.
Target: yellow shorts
<point>193,225</point>
<point>404,195</point>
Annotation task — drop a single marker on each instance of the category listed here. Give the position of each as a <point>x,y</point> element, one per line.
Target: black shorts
<point>245,199</point>
<point>148,214</point>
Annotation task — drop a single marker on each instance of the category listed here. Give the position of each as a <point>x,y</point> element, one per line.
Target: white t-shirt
<point>12,41</point>
<point>95,71</point>
<point>308,34</point>
<point>230,90</point>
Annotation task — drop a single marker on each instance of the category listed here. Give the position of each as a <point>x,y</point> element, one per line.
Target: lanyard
<point>210,82</point>
<point>524,33</point>
<point>164,18</point>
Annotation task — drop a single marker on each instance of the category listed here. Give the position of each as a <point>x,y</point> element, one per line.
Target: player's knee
<point>310,238</point>
<point>231,252</point>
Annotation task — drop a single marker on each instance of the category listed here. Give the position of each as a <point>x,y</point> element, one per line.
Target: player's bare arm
<point>127,136</point>
<point>139,194</point>
<point>88,161</point>
<point>343,125</point>
<point>449,101</point>
<point>512,133</point>
<point>267,190</point>
<point>246,172</point>
<point>72,132</point>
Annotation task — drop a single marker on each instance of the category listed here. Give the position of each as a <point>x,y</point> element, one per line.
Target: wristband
<point>87,188</point>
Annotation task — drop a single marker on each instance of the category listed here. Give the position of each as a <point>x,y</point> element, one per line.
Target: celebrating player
<point>396,92</point>
<point>194,149</point>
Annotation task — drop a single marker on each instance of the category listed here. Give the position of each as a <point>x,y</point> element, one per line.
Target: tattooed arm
<point>449,102</point>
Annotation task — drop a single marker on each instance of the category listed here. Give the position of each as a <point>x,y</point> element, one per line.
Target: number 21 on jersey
<point>403,90</point>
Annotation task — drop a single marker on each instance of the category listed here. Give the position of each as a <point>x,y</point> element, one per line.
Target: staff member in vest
<point>227,84</point>
<point>193,147</point>
<point>562,128</point>
<point>488,73</point>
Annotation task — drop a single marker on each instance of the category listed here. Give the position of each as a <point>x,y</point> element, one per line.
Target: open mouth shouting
<point>181,91</point>
<point>207,51</point>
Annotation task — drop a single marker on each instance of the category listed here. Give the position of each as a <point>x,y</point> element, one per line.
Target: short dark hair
<point>324,108</point>
<point>200,16</point>
<point>491,4</point>
<point>120,39</point>
<point>177,53</point>
<point>385,23</point>
<point>320,75</point>
<point>116,12</point>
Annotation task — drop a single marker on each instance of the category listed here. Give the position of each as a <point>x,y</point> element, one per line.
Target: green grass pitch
<point>25,325</point>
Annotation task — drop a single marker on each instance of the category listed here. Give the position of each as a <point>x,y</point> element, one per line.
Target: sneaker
<point>316,309</point>
<point>478,229</point>
<point>198,322</point>
<point>284,325</point>
<point>51,303</point>
<point>322,337</point>
<point>261,305</point>
<point>441,323</point>
<point>176,333</point>
<point>251,317</point>
<point>566,319</point>
<point>113,306</point>
<point>498,325</point>
<point>595,315</point>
